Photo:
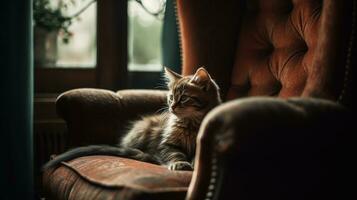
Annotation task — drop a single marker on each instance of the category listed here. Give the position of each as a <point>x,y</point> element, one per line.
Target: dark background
<point>16,178</point>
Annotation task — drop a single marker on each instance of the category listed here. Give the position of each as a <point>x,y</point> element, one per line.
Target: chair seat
<point>108,177</point>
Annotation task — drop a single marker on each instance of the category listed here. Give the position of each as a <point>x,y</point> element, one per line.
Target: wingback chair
<point>285,68</point>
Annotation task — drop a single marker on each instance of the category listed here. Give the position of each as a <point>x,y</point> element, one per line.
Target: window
<point>95,54</point>
<point>81,51</point>
<point>115,45</point>
<point>144,38</point>
<point>65,33</point>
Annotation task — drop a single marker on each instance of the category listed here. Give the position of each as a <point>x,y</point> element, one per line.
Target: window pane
<point>56,48</point>
<point>81,49</point>
<point>144,39</point>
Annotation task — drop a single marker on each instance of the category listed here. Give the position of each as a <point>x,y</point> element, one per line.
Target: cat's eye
<point>171,97</point>
<point>184,98</point>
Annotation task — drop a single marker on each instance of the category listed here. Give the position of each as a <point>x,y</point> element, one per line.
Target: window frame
<point>110,71</point>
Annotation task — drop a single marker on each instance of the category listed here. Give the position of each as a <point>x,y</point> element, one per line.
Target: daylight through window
<point>144,38</point>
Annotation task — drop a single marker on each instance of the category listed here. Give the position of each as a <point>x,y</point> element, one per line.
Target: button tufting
<point>268,50</point>
<point>277,88</point>
<point>278,47</point>
<point>289,8</point>
<point>304,47</point>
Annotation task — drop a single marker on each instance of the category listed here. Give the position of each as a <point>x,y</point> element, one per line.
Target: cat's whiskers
<point>161,86</point>
<point>170,133</point>
<point>162,110</point>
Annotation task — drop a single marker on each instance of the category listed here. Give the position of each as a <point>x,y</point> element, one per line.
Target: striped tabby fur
<point>171,136</point>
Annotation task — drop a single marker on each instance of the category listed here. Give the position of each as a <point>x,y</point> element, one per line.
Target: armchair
<point>285,69</point>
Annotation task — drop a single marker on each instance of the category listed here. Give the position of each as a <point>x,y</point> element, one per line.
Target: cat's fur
<point>168,138</point>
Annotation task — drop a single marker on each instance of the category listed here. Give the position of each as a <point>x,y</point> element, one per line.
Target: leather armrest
<point>268,148</point>
<point>96,116</point>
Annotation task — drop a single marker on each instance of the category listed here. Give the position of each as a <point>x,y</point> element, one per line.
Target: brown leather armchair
<point>288,65</point>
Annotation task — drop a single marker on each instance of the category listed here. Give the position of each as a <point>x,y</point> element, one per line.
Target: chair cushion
<point>108,177</point>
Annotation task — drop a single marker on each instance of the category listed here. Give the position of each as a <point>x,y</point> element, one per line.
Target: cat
<point>168,138</point>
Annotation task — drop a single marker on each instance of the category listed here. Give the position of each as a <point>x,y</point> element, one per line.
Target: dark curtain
<point>170,38</point>
<point>16,178</point>
<point>170,53</point>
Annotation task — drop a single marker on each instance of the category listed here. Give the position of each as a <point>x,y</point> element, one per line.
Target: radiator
<point>50,137</point>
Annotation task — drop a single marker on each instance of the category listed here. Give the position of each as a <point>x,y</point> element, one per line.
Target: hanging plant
<point>52,18</point>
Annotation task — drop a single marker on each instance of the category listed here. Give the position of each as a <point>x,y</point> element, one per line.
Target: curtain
<point>16,167</point>
<point>170,39</point>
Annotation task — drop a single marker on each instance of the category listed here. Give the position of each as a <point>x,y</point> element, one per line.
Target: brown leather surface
<point>278,48</point>
<point>209,30</point>
<point>269,148</point>
<point>292,48</point>
<point>96,116</point>
<point>98,177</point>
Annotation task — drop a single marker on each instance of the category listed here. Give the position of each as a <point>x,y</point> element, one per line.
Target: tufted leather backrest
<point>290,48</point>
<point>283,48</point>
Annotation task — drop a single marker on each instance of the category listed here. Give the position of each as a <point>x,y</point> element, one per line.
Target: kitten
<point>168,138</point>
<point>171,136</point>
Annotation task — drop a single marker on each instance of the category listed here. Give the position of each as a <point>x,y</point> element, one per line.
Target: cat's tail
<point>100,150</point>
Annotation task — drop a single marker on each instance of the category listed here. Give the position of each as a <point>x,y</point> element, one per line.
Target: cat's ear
<point>171,75</point>
<point>201,77</point>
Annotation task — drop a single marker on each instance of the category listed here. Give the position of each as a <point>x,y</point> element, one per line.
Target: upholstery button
<point>289,8</point>
<point>276,89</point>
<point>269,49</point>
<point>304,48</point>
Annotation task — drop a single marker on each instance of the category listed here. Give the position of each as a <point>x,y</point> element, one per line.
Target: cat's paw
<point>180,165</point>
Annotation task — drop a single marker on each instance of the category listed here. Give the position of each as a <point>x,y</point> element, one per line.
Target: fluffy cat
<point>168,138</point>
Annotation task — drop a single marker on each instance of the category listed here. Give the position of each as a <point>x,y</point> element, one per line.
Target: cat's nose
<point>173,108</point>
